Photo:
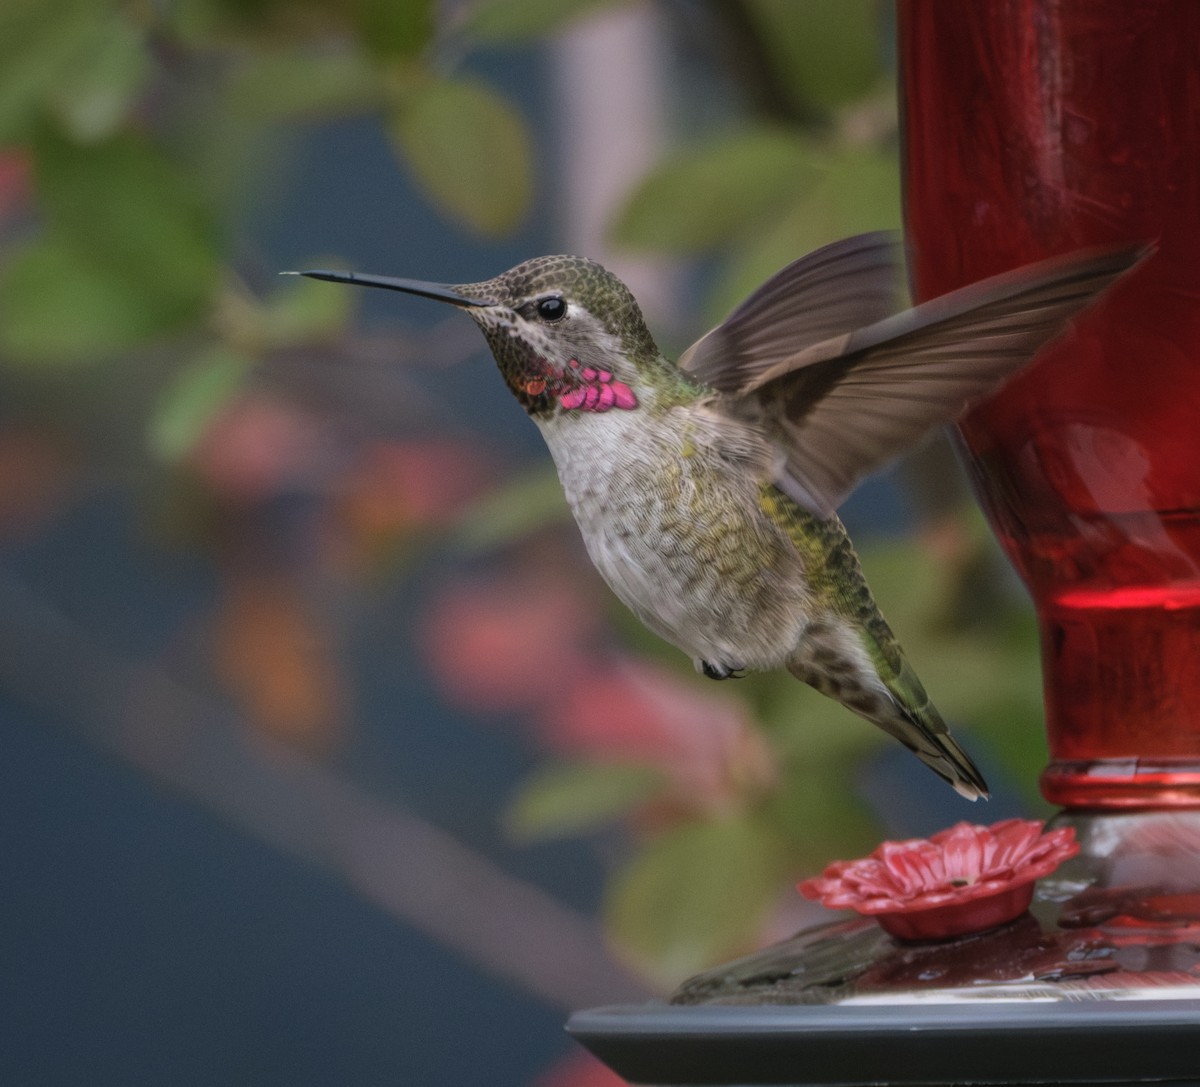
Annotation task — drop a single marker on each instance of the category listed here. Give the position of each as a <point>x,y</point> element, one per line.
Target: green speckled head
<point>579,282</point>
<point>558,315</point>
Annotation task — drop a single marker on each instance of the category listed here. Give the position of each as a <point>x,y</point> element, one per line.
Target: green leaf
<point>855,190</point>
<point>527,20</point>
<point>41,44</point>
<point>828,51</point>
<point>571,798</point>
<point>395,29</point>
<point>708,195</point>
<point>128,254</point>
<point>469,150</point>
<point>859,190</point>
<point>696,894</point>
<point>282,85</point>
<point>133,215</point>
<point>520,507</point>
<point>193,399</point>
<point>61,308</point>
<point>817,807</point>
<point>93,96</point>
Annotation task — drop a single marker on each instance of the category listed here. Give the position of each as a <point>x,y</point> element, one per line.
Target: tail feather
<point>865,671</point>
<point>935,747</point>
<point>933,743</point>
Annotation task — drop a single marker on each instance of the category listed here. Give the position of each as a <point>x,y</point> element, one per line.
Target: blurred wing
<point>851,403</point>
<point>833,290</point>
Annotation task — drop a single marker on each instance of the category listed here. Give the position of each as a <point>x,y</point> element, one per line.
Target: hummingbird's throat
<point>574,387</point>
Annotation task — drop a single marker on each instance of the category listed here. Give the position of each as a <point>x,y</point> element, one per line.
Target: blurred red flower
<point>16,171</point>
<point>512,642</point>
<point>963,879</point>
<point>419,483</point>
<point>256,446</point>
<point>626,710</point>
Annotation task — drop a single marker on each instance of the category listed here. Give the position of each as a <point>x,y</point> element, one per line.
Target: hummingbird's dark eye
<point>552,308</point>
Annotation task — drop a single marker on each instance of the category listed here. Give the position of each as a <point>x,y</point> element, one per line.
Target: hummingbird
<point>706,489</point>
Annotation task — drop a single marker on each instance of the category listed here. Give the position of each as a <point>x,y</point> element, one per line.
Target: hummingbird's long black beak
<point>439,292</point>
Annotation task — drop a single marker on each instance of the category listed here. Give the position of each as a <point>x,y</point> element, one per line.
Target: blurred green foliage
<point>129,116</point>
<point>468,146</point>
<point>129,121</point>
<point>695,891</point>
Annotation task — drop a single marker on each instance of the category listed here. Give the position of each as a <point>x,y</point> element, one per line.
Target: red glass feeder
<point>1033,129</point>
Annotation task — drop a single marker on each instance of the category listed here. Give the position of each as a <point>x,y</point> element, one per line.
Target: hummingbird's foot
<point>720,671</point>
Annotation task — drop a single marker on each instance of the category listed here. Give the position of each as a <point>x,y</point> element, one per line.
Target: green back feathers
<point>835,575</point>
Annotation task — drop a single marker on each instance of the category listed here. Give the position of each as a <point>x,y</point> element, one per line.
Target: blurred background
<point>324,755</point>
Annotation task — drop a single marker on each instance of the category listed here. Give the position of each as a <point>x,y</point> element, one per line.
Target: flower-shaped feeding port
<point>963,880</point>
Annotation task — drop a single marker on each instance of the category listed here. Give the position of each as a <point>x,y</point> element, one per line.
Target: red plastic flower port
<point>963,880</point>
